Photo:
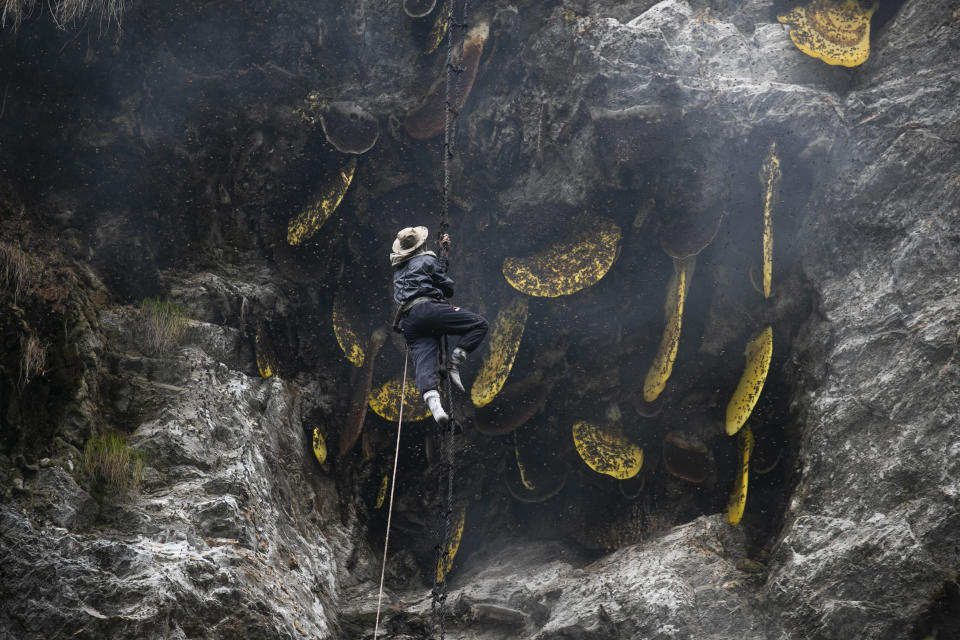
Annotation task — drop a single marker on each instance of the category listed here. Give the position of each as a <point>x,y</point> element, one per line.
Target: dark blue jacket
<point>421,275</point>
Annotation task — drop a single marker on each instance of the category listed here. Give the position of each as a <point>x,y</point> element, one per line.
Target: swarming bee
<point>738,499</point>
<point>308,221</point>
<point>527,484</point>
<point>445,562</point>
<point>607,452</point>
<point>566,267</point>
<point>835,31</point>
<point>346,337</point>
<point>439,29</point>
<point>319,446</point>
<point>662,366</point>
<point>382,493</point>
<point>264,354</point>
<point>385,402</point>
<point>504,344</point>
<point>770,179</point>
<point>758,353</point>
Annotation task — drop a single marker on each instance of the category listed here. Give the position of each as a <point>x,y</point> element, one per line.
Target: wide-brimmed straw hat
<point>409,240</point>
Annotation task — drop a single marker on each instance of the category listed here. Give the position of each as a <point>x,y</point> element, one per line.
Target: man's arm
<point>444,256</point>
<point>442,280</point>
<point>439,272</point>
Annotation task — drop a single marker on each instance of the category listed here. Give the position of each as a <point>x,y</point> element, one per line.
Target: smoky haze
<point>184,143</point>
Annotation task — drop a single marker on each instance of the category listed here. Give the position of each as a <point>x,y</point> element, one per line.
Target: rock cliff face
<point>166,160</point>
<point>229,493</point>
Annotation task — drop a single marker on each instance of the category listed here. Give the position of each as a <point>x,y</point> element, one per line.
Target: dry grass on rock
<point>163,323</point>
<point>13,12</point>
<point>33,359</point>
<point>14,267</point>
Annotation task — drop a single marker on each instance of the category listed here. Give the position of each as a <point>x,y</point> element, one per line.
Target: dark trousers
<point>425,325</point>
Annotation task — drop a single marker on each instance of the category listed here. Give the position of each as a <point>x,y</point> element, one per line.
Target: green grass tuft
<point>164,323</point>
<point>109,460</point>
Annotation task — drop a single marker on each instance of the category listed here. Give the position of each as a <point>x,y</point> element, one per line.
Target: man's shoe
<point>453,369</point>
<point>432,398</point>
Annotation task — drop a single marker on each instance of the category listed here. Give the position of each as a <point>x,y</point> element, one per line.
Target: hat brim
<point>421,234</point>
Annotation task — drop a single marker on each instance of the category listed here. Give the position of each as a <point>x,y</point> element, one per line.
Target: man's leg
<point>469,327</point>
<point>425,349</point>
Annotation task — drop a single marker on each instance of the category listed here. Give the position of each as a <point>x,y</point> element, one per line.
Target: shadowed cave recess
<point>250,165</point>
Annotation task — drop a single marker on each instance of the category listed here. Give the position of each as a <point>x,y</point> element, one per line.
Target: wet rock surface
<point>648,115</point>
<point>871,513</point>
<point>236,530</point>
<point>694,581</point>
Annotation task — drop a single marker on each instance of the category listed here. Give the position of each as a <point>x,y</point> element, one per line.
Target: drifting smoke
<point>188,143</point>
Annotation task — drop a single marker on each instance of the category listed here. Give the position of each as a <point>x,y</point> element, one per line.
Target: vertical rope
<point>444,509</point>
<point>393,484</point>
<point>447,134</point>
<point>451,112</point>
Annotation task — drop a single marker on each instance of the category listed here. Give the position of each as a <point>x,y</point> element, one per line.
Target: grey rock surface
<point>868,541</point>
<point>690,582</point>
<point>237,532</point>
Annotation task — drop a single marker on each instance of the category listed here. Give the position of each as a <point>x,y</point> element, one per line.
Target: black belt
<point>404,309</point>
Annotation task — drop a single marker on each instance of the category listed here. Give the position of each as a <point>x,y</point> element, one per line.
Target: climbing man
<point>421,286</point>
